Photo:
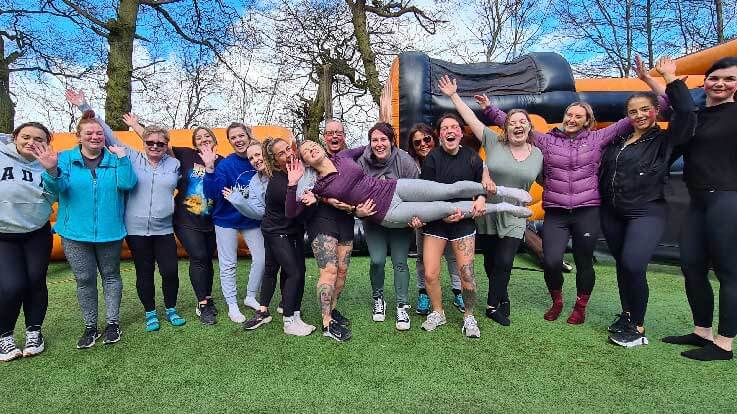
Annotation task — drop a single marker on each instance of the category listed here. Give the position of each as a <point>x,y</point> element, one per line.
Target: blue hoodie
<point>234,172</point>
<point>91,210</point>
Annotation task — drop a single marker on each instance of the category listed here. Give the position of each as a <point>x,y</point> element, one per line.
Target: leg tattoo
<point>469,287</point>
<point>325,296</point>
<point>325,250</point>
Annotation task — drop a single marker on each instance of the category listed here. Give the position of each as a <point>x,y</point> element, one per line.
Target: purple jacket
<point>570,165</point>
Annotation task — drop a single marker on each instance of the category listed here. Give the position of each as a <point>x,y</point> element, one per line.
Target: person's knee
<point>400,267</point>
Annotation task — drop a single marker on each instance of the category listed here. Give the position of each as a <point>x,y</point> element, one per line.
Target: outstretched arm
<point>449,88</point>
<point>644,75</point>
<point>683,121</point>
<point>78,99</point>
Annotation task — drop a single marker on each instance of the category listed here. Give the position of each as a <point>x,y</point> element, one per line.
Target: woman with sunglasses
<point>423,140</point>
<point>148,219</point>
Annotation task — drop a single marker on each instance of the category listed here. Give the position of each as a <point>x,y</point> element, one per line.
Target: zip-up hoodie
<point>399,164</point>
<point>24,205</point>
<point>91,209</point>
<point>234,172</point>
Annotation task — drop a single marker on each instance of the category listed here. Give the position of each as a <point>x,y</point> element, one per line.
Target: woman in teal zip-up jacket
<point>90,182</point>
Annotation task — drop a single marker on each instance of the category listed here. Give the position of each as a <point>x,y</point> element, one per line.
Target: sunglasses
<point>426,139</point>
<point>157,144</point>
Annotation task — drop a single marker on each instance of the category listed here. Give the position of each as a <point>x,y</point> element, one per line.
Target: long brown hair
<point>530,135</point>
<point>267,148</point>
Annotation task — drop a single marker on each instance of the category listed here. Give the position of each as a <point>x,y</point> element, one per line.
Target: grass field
<point>531,366</point>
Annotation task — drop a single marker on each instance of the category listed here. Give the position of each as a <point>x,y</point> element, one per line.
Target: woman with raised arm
<point>511,160</point>
<point>25,240</point>
<point>92,179</point>
<point>423,139</point>
<point>148,220</point>
<point>632,179</point>
<point>708,237</point>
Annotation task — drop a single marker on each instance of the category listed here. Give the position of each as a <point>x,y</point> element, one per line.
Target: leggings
<point>378,240</point>
<point>85,259</point>
<point>200,247</point>
<point>227,240</point>
<point>286,251</point>
<point>709,237</point>
<point>25,260</point>
<point>155,250</point>
<point>632,237</point>
<point>421,198</point>
<point>582,224</point>
<point>499,255</point>
<point>450,260</point>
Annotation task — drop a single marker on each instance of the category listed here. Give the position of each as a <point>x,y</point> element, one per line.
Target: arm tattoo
<point>325,249</point>
<point>469,287</point>
<point>325,296</point>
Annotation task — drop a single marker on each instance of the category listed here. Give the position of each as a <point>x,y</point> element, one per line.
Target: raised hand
<point>666,67</point>
<point>208,156</point>
<point>365,209</point>
<point>118,150</point>
<point>482,100</point>
<point>385,103</point>
<point>641,70</point>
<point>75,98</point>
<point>46,156</point>
<point>227,191</point>
<point>131,120</point>
<point>447,86</point>
<point>295,170</point>
<point>308,198</point>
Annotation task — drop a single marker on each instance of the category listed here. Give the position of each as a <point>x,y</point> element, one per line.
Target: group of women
<point>273,193</point>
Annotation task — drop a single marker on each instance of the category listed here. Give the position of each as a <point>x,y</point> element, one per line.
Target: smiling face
<point>26,138</point>
<point>239,140</point>
<point>156,145</point>
<point>311,153</point>
<point>282,153</point>
<point>423,143</point>
<point>255,157</point>
<point>721,85</point>
<point>575,119</point>
<point>450,135</point>
<point>518,129</point>
<point>202,138</point>
<point>334,137</point>
<point>641,113</point>
<point>380,144</point>
<point>91,137</point>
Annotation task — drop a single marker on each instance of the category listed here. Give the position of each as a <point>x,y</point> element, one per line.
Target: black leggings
<point>200,247</point>
<point>287,252</point>
<point>709,237</point>
<point>632,237</point>
<point>162,251</point>
<point>24,258</point>
<point>582,224</point>
<point>499,255</point>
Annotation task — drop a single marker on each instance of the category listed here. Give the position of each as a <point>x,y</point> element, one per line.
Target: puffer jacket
<point>570,164</point>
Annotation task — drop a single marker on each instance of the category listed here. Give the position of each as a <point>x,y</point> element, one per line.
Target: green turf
<point>532,366</point>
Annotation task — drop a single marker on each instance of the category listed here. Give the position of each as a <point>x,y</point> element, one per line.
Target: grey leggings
<point>421,198</point>
<point>85,259</point>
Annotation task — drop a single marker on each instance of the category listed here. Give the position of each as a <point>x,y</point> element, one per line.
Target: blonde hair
<point>155,130</point>
<point>591,120</point>
<point>267,148</point>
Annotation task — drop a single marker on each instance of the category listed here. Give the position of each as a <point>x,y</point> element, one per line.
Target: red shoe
<point>554,311</point>
<point>578,316</point>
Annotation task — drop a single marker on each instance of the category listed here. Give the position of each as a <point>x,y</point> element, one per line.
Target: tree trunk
<point>327,90</point>
<point>649,32</point>
<point>120,64</point>
<point>720,20</point>
<point>7,107</point>
<point>363,43</point>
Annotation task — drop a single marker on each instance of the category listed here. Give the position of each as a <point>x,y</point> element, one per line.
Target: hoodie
<point>24,205</point>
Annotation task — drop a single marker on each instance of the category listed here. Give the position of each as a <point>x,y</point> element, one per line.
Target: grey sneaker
<point>402,318</point>
<point>470,327</point>
<point>34,343</point>
<point>379,309</point>
<point>294,326</point>
<point>305,325</point>
<point>434,319</point>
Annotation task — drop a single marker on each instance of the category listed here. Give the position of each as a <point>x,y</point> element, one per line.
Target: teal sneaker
<point>458,302</point>
<point>174,318</point>
<point>423,304</point>
<point>152,321</point>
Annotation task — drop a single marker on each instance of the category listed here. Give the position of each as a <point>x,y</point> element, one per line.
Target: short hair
<point>446,116</point>
<point>723,63</point>
<point>385,129</point>
<point>32,124</point>
<point>647,95</point>
<point>155,130</point>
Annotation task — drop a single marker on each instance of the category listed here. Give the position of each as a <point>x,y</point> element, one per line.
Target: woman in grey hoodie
<point>383,160</point>
<point>25,240</point>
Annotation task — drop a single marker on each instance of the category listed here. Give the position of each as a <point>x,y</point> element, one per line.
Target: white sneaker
<point>402,318</point>
<point>8,350</point>
<point>434,319</point>
<point>235,314</point>
<point>251,302</point>
<point>379,310</point>
<point>296,327</point>
<point>298,319</point>
<point>470,327</point>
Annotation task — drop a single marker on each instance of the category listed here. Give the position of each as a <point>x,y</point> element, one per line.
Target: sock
<point>423,291</point>
<point>456,292</point>
<point>710,352</point>
<point>690,339</point>
<point>233,307</point>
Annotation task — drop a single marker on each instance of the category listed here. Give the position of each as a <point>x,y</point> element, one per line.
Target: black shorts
<point>450,231</point>
<point>331,222</point>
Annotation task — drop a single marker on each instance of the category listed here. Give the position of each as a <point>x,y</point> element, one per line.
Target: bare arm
<point>450,89</point>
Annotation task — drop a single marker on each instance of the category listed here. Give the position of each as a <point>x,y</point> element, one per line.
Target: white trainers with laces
<point>434,319</point>
<point>470,327</point>
<point>379,310</point>
<point>294,326</point>
<point>403,318</point>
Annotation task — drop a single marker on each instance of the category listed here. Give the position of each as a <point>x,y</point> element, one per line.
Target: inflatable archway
<point>179,138</point>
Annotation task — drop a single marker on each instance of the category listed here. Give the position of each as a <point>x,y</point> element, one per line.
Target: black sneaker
<point>206,312</point>
<point>339,318</point>
<point>496,315</point>
<point>211,304</point>
<point>630,337</point>
<point>112,334</point>
<point>261,318</point>
<point>505,308</point>
<point>89,337</point>
<point>337,331</point>
<point>620,324</point>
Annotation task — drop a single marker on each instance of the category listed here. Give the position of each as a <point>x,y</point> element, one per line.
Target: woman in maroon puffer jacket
<point>571,157</point>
